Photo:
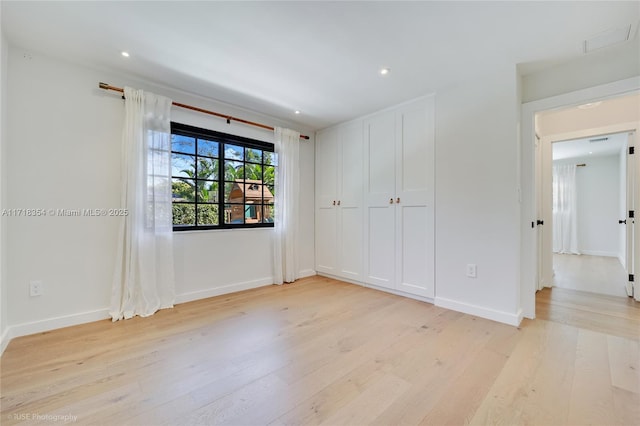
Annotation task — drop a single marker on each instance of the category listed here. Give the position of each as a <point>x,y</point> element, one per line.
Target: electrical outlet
<point>472,270</point>
<point>35,288</point>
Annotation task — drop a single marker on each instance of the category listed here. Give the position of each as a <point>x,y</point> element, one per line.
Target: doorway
<point>534,148</point>
<point>589,196</point>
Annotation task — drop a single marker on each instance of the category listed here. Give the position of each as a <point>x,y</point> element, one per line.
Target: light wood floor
<point>595,274</point>
<point>321,352</point>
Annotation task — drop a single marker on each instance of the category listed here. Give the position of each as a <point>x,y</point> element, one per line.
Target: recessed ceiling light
<point>590,105</point>
<point>590,152</point>
<point>296,112</point>
<point>384,71</point>
<point>125,54</point>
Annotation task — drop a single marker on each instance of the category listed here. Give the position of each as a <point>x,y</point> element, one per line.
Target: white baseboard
<point>599,253</point>
<point>479,311</point>
<point>49,324</point>
<point>226,289</point>
<point>399,293</point>
<point>5,339</point>
<point>307,273</point>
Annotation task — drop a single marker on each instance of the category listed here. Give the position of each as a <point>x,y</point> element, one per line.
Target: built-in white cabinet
<point>375,200</point>
<point>339,214</point>
<point>399,199</point>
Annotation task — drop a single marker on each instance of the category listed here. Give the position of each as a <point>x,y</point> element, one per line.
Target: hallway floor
<point>595,274</point>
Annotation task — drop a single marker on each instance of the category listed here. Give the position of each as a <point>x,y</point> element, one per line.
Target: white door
<point>414,202</point>
<point>349,209</point>
<point>633,197</point>
<point>380,220</point>
<point>326,201</point>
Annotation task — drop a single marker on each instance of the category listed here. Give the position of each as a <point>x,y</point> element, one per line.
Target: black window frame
<point>222,139</point>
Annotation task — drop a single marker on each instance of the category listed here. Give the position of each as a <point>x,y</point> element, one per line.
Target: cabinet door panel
<point>326,167</point>
<point>416,240</point>
<point>380,155</point>
<point>351,165</point>
<point>350,239</point>
<point>381,246</point>
<point>326,234</point>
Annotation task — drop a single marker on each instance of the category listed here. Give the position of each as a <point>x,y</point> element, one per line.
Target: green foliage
<point>184,214</point>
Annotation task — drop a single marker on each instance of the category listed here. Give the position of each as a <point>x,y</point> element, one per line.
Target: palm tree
<point>207,169</point>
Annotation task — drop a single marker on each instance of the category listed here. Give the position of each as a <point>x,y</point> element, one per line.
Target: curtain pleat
<point>144,275</point>
<point>565,224</point>
<point>287,147</point>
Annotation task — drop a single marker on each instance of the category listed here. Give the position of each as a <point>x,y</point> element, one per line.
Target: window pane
<point>234,152</point>
<point>207,191</point>
<point>253,155</point>
<point>234,192</point>
<point>184,214</point>
<point>234,214</point>
<point>207,214</point>
<point>267,194</point>
<point>253,192</point>
<point>183,144</point>
<point>269,178</point>
<point>183,165</point>
<point>252,213</point>
<point>270,158</point>
<point>207,168</point>
<point>267,214</point>
<point>253,172</point>
<point>208,148</point>
<point>183,190</point>
<point>233,170</point>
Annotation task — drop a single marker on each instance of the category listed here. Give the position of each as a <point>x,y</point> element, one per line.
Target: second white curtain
<point>287,145</point>
<point>565,224</point>
<point>144,276</point>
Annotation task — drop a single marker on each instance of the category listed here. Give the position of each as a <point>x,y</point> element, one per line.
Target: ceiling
<point>321,58</point>
<point>590,147</point>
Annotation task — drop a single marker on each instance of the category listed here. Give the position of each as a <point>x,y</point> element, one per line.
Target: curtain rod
<point>581,165</point>
<point>106,86</point>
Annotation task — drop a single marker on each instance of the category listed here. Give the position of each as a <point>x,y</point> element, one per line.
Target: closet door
<point>414,203</point>
<point>380,212</point>
<point>326,201</point>
<point>349,209</point>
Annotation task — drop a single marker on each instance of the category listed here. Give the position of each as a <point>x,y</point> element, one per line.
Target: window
<point>220,180</point>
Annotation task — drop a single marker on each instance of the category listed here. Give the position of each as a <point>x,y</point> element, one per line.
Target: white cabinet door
<point>326,197</point>
<point>349,209</point>
<point>380,212</point>
<point>339,224</point>
<point>415,198</point>
<point>399,199</point>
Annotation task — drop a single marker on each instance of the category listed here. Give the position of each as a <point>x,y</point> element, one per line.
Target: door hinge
<point>632,150</point>
<point>631,278</point>
<point>632,213</point>
<point>540,222</point>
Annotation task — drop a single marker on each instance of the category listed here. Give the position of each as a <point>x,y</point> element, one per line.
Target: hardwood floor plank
<point>591,399</point>
<point>624,363</point>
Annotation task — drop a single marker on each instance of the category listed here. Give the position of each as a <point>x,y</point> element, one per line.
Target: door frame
<point>528,206</point>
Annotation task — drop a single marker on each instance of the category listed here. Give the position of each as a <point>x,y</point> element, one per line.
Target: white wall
<point>599,67</point>
<point>63,151</point>
<point>477,210</point>
<point>598,203</point>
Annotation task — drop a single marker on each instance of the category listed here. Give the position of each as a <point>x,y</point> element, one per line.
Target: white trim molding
<point>479,311</point>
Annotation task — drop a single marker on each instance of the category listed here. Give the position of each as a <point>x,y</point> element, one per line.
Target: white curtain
<point>565,225</point>
<point>144,276</point>
<point>287,145</point>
